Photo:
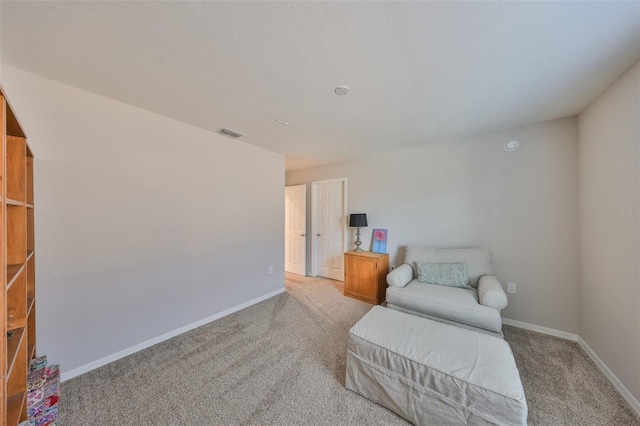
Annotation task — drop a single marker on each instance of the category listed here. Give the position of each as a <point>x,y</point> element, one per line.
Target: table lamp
<point>358,220</point>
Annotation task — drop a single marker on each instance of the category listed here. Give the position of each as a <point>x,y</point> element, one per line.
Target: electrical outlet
<point>511,288</point>
<point>271,269</point>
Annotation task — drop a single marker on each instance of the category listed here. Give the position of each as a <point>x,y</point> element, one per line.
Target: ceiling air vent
<point>230,133</point>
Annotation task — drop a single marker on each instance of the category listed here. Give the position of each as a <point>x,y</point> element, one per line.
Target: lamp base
<point>358,242</point>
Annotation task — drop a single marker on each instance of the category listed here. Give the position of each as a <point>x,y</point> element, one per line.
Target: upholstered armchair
<point>468,295</point>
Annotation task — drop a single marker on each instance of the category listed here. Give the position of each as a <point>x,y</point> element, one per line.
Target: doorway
<point>329,227</point>
<point>295,229</point>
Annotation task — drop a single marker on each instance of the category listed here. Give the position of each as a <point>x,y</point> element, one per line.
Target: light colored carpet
<point>562,385</point>
<point>282,362</point>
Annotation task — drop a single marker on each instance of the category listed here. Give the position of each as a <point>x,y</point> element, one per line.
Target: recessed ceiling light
<point>341,90</point>
<point>512,145</point>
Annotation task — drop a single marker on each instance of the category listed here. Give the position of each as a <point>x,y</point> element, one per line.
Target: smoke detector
<point>512,145</point>
<point>231,133</point>
<point>341,90</point>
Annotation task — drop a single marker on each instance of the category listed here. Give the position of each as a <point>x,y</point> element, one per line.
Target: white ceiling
<point>418,72</point>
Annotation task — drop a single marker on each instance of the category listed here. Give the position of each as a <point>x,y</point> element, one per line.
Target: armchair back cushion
<point>478,260</point>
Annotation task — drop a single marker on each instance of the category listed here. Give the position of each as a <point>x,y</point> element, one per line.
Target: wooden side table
<point>365,276</point>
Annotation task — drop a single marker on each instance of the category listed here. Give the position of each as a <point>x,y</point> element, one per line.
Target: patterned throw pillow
<point>450,274</point>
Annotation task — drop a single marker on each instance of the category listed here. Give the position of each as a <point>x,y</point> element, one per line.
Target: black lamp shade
<point>358,220</point>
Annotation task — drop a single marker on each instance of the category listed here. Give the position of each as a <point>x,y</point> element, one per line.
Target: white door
<point>329,218</point>
<point>295,229</point>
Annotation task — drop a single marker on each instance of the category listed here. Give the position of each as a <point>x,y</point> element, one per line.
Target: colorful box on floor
<point>43,388</point>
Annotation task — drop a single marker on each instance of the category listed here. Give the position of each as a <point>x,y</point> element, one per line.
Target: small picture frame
<point>379,241</point>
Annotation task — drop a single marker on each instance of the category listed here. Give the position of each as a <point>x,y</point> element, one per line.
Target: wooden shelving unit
<point>17,251</point>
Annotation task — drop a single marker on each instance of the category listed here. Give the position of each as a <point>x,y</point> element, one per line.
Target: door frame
<point>314,220</point>
<point>306,226</point>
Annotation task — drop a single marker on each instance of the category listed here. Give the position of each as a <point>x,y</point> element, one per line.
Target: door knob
<point>302,235</point>
<point>318,235</point>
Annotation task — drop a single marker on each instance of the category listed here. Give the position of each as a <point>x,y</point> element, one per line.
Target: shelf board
<point>12,273</point>
<point>29,206</point>
<point>14,408</point>
<point>30,301</point>
<point>13,343</point>
<point>11,202</point>
<point>13,124</point>
<point>29,254</point>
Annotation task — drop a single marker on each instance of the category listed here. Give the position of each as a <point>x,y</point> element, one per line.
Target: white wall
<point>610,228</point>
<point>143,224</point>
<point>521,205</point>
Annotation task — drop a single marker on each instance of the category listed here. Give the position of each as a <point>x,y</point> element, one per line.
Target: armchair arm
<point>401,276</point>
<point>491,293</point>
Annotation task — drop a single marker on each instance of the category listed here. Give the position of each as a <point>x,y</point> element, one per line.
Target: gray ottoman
<point>434,373</point>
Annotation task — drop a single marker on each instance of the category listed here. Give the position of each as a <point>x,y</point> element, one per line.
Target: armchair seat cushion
<point>451,303</point>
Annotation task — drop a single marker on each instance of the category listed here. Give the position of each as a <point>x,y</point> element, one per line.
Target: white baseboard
<point>541,329</point>
<point>635,405</point>
<point>154,341</point>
